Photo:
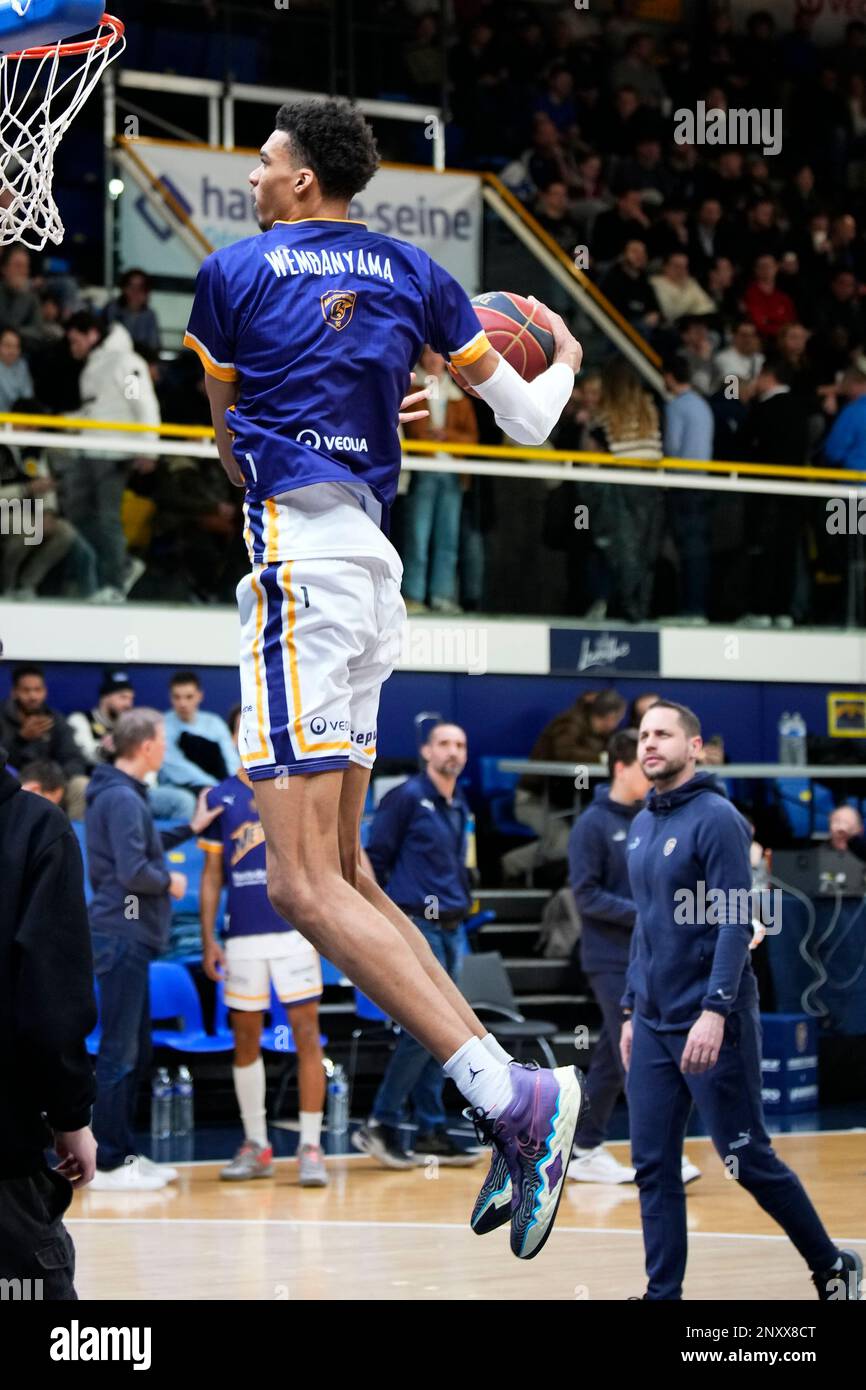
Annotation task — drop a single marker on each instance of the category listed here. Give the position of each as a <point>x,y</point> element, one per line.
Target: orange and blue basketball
<point>519,330</point>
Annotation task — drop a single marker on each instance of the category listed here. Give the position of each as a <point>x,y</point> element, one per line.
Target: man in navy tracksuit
<point>417,849</point>
<point>691,1031</point>
<point>598,875</point>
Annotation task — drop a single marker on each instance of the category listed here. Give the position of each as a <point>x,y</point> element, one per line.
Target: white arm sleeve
<point>527,410</point>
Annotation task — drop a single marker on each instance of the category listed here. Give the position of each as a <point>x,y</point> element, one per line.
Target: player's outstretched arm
<point>528,410</point>
<point>222,395</point>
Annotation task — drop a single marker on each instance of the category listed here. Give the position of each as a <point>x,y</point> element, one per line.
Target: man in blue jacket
<point>692,1031</point>
<point>130,919</point>
<point>417,849</point>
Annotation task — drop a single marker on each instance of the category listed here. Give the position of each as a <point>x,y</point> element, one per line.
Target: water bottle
<point>182,1099</point>
<point>784,731</point>
<point>160,1105</point>
<point>797,740</point>
<point>338,1102</point>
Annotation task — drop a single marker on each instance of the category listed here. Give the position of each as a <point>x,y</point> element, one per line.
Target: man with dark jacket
<point>598,877</point>
<point>130,918</point>
<point>33,732</point>
<point>417,849</point>
<point>775,431</point>
<point>47,1009</point>
<point>691,1033</point>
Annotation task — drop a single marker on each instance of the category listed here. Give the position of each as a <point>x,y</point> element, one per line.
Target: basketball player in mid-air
<point>307,334</point>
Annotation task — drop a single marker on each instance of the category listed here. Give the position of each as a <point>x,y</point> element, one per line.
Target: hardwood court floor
<point>377,1234</point>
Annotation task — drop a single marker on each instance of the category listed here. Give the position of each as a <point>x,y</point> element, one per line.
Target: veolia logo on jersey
<point>342,443</point>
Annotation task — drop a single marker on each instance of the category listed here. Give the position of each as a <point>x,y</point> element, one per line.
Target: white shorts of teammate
<point>252,962</point>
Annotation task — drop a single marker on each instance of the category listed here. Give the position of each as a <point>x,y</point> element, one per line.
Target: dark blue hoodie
<point>598,874</point>
<point>689,842</point>
<point>126,859</point>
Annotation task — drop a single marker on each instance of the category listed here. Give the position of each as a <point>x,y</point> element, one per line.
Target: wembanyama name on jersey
<point>320,322</point>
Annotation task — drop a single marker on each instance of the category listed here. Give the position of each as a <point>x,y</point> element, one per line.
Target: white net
<point>41,92</point>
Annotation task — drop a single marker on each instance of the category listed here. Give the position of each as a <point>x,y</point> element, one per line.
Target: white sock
<point>311,1127</point>
<point>250,1091</point>
<point>840,1264</point>
<point>498,1052</point>
<point>481,1078</point>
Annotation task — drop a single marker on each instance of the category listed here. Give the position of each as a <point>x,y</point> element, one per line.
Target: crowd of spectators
<point>744,272</point>
<point>56,753</point>
<point>121,522</point>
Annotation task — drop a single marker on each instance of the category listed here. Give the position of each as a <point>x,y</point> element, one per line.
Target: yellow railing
<point>475,451</point>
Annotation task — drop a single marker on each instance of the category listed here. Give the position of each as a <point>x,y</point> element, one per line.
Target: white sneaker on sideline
<point>597,1165</point>
<point>690,1170</point>
<point>129,1177</point>
<point>162,1170</point>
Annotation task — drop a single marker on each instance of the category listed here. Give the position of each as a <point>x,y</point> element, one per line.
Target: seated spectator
<point>19,302</point>
<point>423,58</point>
<point>548,161</point>
<point>670,233</point>
<point>92,729</point>
<point>628,287</point>
<point>199,749</point>
<point>646,170</point>
<point>845,445</point>
<point>721,287</point>
<point>741,361</point>
<point>625,222</point>
<point>552,212</point>
<point>557,103</point>
<point>592,186</point>
<point>51,309</point>
<point>627,122</point>
<point>760,236</point>
<point>45,779</point>
<point>765,304</point>
<point>696,351</point>
<point>800,199</point>
<point>132,309</point>
<point>677,292</point>
<point>791,345</point>
<point>797,286</point>
<point>708,237</point>
<point>840,326</point>
<point>726,182</point>
<point>43,542</point>
<point>16,383</point>
<point>192,543</point>
<point>845,249</point>
<point>435,500</point>
<point>115,385</point>
<point>32,732</point>
<point>637,70</point>
<point>578,735</point>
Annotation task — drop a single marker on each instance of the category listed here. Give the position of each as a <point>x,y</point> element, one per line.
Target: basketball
<point>519,330</point>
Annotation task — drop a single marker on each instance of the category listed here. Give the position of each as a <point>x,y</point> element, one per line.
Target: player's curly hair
<point>335,140</point>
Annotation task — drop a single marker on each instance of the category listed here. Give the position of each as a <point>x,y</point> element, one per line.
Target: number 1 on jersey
<point>251,461</point>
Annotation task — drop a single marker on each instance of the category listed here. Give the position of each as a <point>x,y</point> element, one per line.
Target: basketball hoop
<point>38,103</point>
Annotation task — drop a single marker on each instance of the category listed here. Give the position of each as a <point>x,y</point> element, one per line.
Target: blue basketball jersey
<point>239,837</point>
<point>320,322</point>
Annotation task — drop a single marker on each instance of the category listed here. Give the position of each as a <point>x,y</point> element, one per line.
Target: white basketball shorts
<point>287,958</point>
<point>318,639</point>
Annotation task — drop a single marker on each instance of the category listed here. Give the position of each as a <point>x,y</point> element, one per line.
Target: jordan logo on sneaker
<point>473,1074</point>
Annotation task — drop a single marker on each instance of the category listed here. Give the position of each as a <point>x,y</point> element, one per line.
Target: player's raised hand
<point>566,348</point>
<point>406,411</point>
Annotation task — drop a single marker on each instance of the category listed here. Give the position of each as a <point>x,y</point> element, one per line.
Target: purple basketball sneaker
<point>532,1141</point>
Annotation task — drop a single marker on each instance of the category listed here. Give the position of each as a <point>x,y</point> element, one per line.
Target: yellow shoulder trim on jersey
<point>223,371</point>
<point>474,349</point>
<point>210,846</point>
<point>286,222</point>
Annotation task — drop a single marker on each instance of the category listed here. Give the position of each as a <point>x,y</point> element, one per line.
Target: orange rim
<point>116,30</point>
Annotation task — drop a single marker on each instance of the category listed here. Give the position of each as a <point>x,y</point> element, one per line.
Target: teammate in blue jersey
<point>307,334</point>
<point>259,947</point>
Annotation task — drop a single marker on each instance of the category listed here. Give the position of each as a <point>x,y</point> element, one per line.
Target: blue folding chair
<point>497,789</point>
<point>173,995</point>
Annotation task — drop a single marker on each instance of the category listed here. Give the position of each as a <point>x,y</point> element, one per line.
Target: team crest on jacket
<point>338,307</point>
<point>670,846</point>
